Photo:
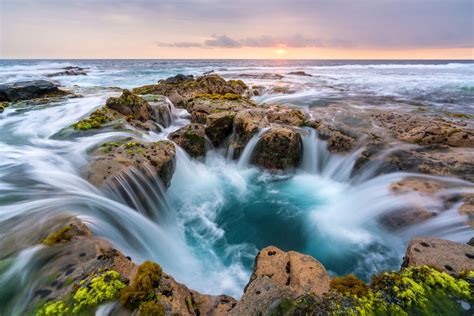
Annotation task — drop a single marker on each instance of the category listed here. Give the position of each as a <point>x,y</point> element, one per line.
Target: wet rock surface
<point>69,71</point>
<point>278,148</point>
<point>192,138</point>
<point>450,257</point>
<point>26,90</point>
<point>114,159</point>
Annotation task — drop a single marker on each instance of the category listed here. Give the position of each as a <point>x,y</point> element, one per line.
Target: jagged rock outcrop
<point>26,90</point>
<point>219,126</point>
<point>92,272</point>
<point>278,148</point>
<point>128,108</point>
<point>192,138</point>
<point>278,275</point>
<point>184,88</point>
<point>450,257</point>
<point>113,159</point>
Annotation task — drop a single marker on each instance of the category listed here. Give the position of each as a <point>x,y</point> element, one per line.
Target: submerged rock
<point>181,89</point>
<point>192,138</point>
<point>271,76</point>
<point>69,71</point>
<point>300,73</point>
<point>114,159</point>
<point>278,148</point>
<point>450,257</point>
<point>25,90</point>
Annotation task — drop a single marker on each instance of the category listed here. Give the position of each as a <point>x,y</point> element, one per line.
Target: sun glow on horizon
<point>280,51</point>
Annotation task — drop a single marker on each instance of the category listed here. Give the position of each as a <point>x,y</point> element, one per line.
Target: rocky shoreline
<point>282,283</point>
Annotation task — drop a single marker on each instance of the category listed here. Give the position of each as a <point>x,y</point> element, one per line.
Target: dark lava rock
<point>192,138</point>
<point>25,90</point>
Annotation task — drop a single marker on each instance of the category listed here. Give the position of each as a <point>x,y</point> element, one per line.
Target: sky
<point>282,29</point>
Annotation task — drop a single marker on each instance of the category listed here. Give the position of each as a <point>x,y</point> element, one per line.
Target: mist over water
<point>207,227</point>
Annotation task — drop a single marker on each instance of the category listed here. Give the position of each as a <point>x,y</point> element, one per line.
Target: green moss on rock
<point>94,121</point>
<point>350,285</point>
<point>413,291</point>
<point>143,286</point>
<point>102,288</point>
<point>215,96</point>
<point>151,309</point>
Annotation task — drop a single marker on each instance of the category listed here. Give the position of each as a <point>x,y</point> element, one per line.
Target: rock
<point>300,73</point>
<point>177,79</point>
<point>128,107</point>
<point>279,275</point>
<point>260,297</point>
<point>204,104</point>
<point>282,90</point>
<point>301,273</point>
<point>69,71</point>
<point>285,115</point>
<point>450,257</point>
<point>338,141</point>
<point>278,148</point>
<point>269,76</point>
<point>435,160</point>
<point>75,264</point>
<point>192,138</point>
<point>25,90</point>
<point>132,106</point>
<point>183,89</point>
<point>423,130</point>
<point>115,159</point>
<point>162,108</point>
<point>219,126</point>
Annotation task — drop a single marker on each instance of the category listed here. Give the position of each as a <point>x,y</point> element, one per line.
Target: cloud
<point>222,41</point>
<point>295,41</point>
<point>180,44</point>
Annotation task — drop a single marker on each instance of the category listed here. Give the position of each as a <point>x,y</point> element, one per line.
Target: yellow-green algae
<point>3,106</point>
<point>60,236</point>
<point>413,291</point>
<point>102,288</point>
<point>95,120</point>
<point>142,289</point>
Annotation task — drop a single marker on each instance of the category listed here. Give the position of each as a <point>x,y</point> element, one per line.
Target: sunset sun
<point>280,51</point>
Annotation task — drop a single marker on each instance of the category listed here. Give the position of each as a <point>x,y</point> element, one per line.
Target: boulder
<point>279,275</point>
<point>285,115</point>
<point>192,138</point>
<point>180,90</point>
<point>219,126</point>
<point>127,107</point>
<point>450,257</point>
<point>204,104</point>
<point>278,148</point>
<point>301,273</point>
<point>25,90</point>
<point>113,159</point>
<point>131,106</point>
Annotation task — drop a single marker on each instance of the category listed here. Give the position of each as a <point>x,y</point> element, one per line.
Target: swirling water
<point>207,227</point>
